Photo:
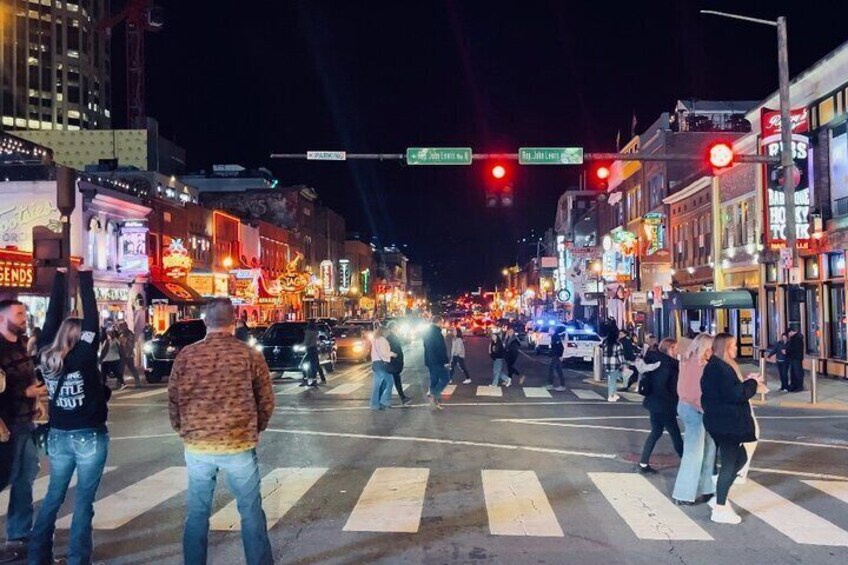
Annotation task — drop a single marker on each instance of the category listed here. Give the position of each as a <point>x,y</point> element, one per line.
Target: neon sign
<point>176,262</point>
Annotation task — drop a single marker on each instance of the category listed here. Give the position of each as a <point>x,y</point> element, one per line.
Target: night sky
<point>235,81</point>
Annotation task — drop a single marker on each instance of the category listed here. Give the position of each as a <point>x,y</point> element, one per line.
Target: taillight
<point>571,344</point>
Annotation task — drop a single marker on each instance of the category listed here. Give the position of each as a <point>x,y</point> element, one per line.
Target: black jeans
<point>659,422</point>
<point>112,369</point>
<point>783,371</point>
<point>315,367</point>
<point>796,378</point>
<point>459,362</point>
<point>510,366</point>
<point>733,457</point>
<point>398,385</point>
<point>555,366</point>
<point>129,363</point>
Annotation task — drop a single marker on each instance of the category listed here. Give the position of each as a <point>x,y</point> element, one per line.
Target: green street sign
<point>438,156</point>
<point>550,156</point>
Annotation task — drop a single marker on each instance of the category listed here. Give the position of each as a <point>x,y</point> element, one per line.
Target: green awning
<point>728,299</point>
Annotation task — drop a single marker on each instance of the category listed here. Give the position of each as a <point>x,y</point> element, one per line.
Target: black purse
<point>39,435</point>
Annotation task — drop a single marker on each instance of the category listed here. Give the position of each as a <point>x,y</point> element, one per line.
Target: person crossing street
<point>458,356</point>
<point>395,366</point>
<point>436,361</point>
<point>557,350</point>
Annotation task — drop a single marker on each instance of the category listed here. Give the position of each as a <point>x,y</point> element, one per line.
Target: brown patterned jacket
<point>220,395</point>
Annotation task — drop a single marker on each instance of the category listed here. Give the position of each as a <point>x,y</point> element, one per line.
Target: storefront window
<point>772,315</point>
<point>771,272</point>
<point>836,265</point>
<point>837,322</point>
<point>811,268</point>
<point>811,313</point>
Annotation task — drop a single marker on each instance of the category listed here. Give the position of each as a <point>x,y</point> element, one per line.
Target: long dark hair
<point>609,343</point>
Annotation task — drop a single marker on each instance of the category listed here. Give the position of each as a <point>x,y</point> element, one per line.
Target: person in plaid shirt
<point>612,356</point>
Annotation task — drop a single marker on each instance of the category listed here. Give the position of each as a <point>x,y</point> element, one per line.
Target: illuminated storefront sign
<point>366,281</point>
<point>775,209</point>
<point>619,258</point>
<point>15,274</point>
<point>132,247</point>
<point>21,210</point>
<point>106,294</point>
<point>561,273</point>
<point>327,279</point>
<point>654,224</point>
<point>176,262</point>
<point>344,276</point>
<point>290,282</point>
<point>202,283</point>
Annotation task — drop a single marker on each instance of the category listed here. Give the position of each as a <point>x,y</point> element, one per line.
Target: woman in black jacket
<point>727,418</point>
<point>661,403</point>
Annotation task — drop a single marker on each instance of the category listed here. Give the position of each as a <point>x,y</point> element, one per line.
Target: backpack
<point>646,385</point>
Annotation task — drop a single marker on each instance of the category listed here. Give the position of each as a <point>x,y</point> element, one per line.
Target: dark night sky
<point>235,81</point>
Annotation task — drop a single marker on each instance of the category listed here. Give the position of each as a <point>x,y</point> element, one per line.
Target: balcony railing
<point>840,207</point>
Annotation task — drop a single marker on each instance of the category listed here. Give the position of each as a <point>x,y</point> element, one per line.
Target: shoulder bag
<point>39,435</point>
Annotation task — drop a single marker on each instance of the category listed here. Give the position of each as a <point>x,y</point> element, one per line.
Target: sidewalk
<point>832,392</point>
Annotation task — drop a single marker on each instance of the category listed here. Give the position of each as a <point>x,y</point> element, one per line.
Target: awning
<point>173,292</point>
<point>728,299</point>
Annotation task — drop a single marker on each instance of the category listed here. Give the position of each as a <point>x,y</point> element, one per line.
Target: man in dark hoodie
<point>661,403</point>
<point>436,360</point>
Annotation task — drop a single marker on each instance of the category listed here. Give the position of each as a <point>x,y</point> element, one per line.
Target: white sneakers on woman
<point>725,514</point>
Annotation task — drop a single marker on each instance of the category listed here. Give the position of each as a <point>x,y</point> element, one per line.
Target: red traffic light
<point>721,155</point>
<point>602,172</point>
<point>499,171</point>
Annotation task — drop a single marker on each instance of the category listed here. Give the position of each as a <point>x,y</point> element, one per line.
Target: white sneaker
<point>725,515</point>
<point>494,386</point>
<point>508,382</point>
<point>712,502</point>
<point>560,389</point>
<point>613,398</point>
<point>549,387</point>
<point>466,382</point>
<point>740,480</point>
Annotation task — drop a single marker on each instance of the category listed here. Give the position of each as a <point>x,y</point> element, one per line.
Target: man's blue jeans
<point>439,379</point>
<point>381,389</point>
<point>498,373</point>
<point>84,451</point>
<point>22,473</point>
<point>695,474</point>
<point>242,470</point>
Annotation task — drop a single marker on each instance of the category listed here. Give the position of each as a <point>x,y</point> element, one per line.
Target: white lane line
<point>552,451</point>
<point>631,396</point>
<point>649,513</point>
<point>128,504</point>
<point>145,394</point>
<point>449,390</point>
<point>489,391</point>
<point>836,489</point>
<point>291,389</point>
<point>586,394</point>
<point>346,388</point>
<point>280,490</point>
<point>392,501</point>
<point>296,409</point>
<point>517,505</point>
<point>797,523</point>
<point>406,387</point>
<point>536,392</point>
<point>39,491</point>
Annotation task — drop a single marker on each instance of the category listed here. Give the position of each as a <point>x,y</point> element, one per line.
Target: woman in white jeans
<point>695,474</point>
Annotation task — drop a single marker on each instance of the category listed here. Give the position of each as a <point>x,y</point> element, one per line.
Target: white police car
<point>579,345</point>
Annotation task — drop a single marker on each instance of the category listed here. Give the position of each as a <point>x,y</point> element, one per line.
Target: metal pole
<point>814,376</point>
<point>787,160</point>
<point>763,374</point>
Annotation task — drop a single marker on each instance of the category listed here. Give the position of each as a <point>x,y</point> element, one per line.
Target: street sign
<point>563,295</point>
<point>785,258</point>
<point>438,156</point>
<point>550,156</point>
<point>586,252</point>
<point>326,156</point>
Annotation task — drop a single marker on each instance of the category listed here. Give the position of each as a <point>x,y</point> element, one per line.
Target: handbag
<point>39,434</point>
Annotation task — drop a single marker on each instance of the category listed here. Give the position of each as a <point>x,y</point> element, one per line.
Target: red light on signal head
<point>721,155</point>
<point>602,172</point>
<point>498,171</point>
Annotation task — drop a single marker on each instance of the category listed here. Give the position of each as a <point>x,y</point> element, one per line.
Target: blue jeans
<point>498,373</point>
<point>694,477</point>
<point>381,387</point>
<point>439,379</point>
<point>22,473</point>
<point>612,382</point>
<point>242,471</point>
<point>84,450</point>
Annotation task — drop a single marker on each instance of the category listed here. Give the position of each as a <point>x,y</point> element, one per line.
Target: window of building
<point>772,315</point>
<point>812,320</point>
<point>811,268</point>
<point>655,191</point>
<point>837,324</point>
<point>771,272</point>
<point>836,265</point>
<point>839,170</point>
<point>825,111</point>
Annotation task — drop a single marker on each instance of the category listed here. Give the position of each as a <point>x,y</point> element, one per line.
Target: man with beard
<point>19,407</point>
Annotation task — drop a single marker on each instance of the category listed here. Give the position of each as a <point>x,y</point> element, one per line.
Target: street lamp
<point>787,160</point>
<point>228,262</point>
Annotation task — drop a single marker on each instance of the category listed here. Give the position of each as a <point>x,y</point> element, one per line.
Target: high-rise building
<point>54,65</point>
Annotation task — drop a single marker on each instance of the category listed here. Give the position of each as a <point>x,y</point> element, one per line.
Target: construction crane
<point>140,16</point>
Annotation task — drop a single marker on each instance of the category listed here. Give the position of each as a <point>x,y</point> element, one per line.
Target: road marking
<point>346,388</point>
<point>145,394</point>
<point>536,403</point>
<point>536,392</point>
<point>836,489</point>
<point>39,490</point>
<point>586,394</point>
<point>631,396</point>
<point>649,513</point>
<point>128,504</point>
<point>406,387</point>
<point>392,501</point>
<point>489,391</point>
<point>291,389</point>
<point>549,450</point>
<point>796,523</point>
<point>280,490</point>
<point>517,505</point>
<point>449,390</point>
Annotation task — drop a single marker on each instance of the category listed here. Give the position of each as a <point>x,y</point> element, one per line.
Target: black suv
<point>160,352</point>
<point>283,348</point>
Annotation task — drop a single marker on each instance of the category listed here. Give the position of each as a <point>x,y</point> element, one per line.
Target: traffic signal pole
<point>739,158</point>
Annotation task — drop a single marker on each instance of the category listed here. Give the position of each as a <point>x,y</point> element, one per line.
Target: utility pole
<point>787,158</point>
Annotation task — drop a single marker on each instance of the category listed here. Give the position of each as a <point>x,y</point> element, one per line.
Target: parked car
<point>160,352</point>
<point>352,343</point>
<point>255,333</point>
<point>579,345</point>
<point>284,350</point>
<point>542,336</point>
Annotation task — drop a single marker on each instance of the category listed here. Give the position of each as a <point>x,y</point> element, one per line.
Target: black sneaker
<point>406,401</point>
<point>303,384</point>
<point>646,469</point>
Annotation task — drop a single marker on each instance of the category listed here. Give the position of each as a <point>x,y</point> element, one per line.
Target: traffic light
<point>599,175</point>
<point>499,191</point>
<point>498,171</point>
<point>720,155</point>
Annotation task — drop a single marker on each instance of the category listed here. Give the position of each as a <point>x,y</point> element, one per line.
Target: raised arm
<point>90,319</point>
<point>55,310</point>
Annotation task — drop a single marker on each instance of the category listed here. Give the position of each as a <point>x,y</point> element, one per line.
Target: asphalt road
<point>526,477</point>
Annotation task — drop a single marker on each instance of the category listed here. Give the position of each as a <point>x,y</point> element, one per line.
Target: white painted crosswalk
<point>142,394</point>
<point>489,391</point>
<point>586,394</point>
<point>39,490</point>
<point>346,388</point>
<point>536,392</point>
<point>516,504</point>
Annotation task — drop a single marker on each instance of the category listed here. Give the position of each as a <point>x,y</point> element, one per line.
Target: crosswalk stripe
<point>128,504</point>
<point>406,387</point>
<point>392,501</point>
<point>536,392</point>
<point>489,391</point>
<point>649,513</point>
<point>291,389</point>
<point>517,505</point>
<point>39,490</point>
<point>449,390</point>
<point>631,396</point>
<point>280,490</point>
<point>586,394</point>
<point>793,521</point>
<point>144,394</point>
<point>346,388</point>
<point>836,489</point>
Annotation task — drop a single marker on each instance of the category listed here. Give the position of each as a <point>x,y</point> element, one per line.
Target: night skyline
<point>492,76</point>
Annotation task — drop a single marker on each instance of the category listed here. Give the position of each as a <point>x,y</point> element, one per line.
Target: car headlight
<point>170,349</point>
<point>358,347</point>
<point>251,341</point>
<point>259,347</point>
<point>299,349</point>
<point>148,347</point>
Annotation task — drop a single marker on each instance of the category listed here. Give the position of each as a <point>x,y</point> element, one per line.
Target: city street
<point>517,475</point>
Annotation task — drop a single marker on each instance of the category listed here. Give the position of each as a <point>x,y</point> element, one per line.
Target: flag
<point>633,126</point>
<point>618,140</point>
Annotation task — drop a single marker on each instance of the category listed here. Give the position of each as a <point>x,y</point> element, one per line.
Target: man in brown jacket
<point>220,398</point>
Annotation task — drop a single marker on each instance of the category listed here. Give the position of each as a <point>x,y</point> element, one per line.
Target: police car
<point>579,345</point>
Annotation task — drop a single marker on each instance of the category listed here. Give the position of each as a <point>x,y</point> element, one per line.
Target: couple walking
<point>504,350</point>
<point>387,365</point>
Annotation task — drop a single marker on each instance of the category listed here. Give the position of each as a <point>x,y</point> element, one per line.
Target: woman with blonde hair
<point>727,418</point>
<point>695,475</point>
<point>78,438</point>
